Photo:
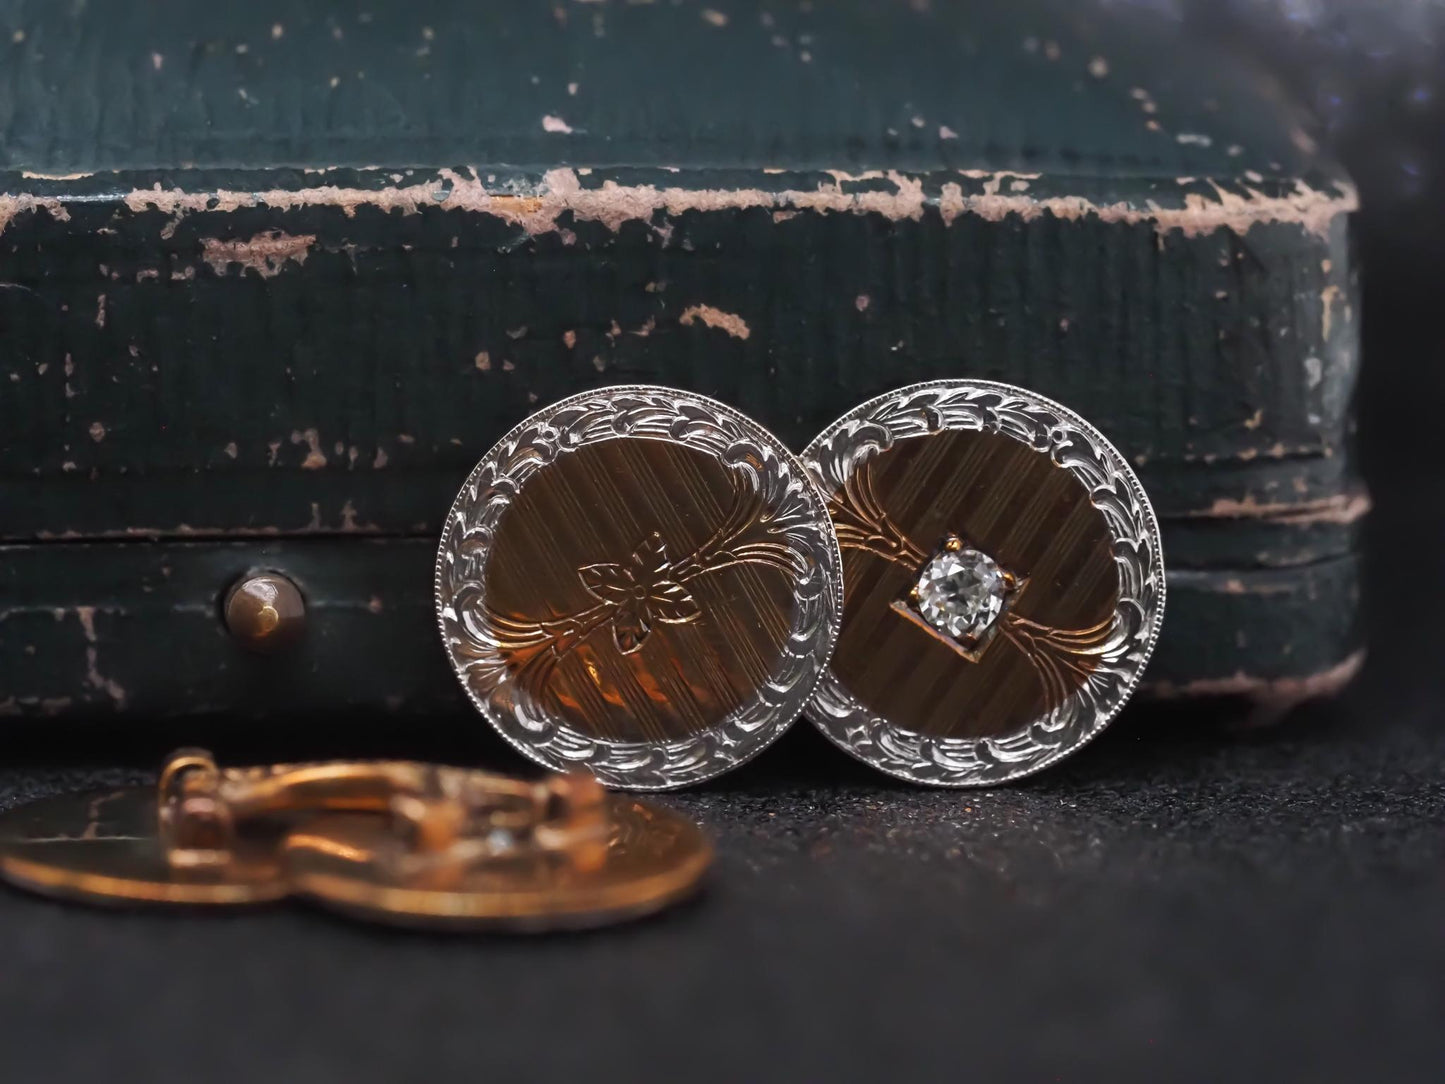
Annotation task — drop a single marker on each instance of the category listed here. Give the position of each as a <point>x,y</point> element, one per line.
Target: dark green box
<point>273,277</point>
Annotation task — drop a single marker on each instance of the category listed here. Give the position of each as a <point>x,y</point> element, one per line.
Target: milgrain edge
<point>537,208</point>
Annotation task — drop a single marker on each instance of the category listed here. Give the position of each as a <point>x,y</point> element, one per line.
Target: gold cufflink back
<point>398,842</point>
<point>632,859</point>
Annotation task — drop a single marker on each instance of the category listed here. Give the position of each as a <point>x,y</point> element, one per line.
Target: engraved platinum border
<point>1077,447</point>
<point>797,515</point>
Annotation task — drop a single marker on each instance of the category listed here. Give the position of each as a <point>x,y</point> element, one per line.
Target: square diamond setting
<point>960,597</point>
<point>961,593</point>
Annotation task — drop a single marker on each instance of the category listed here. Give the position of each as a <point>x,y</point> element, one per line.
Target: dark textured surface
<point>1180,902</point>
<point>1240,909</point>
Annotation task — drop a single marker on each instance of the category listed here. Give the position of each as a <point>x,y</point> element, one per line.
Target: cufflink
<point>397,842</point>
<point>1004,582</point>
<point>641,582</point>
<point>561,854</point>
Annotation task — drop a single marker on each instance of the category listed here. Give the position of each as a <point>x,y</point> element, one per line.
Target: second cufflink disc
<point>1004,579</point>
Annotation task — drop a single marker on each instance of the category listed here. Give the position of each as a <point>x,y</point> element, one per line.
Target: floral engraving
<point>632,595</point>
<point>777,519</point>
<point>640,592</point>
<point>863,524</point>
<point>1087,674</point>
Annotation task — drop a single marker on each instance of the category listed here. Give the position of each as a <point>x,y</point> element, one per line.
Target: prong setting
<point>960,596</point>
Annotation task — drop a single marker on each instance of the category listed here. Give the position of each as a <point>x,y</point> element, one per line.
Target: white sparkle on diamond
<point>961,593</point>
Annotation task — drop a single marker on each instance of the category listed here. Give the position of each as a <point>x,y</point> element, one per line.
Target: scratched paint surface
<point>783,85</point>
<point>276,273</point>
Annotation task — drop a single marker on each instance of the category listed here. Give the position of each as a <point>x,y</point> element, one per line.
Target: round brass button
<point>265,612</point>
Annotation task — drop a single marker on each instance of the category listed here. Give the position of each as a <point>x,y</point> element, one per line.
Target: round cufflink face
<point>649,859</point>
<point>641,582</point>
<point>1004,582</point>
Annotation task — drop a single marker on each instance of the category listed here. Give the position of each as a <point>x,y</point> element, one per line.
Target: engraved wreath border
<point>796,513</point>
<point>1077,447</point>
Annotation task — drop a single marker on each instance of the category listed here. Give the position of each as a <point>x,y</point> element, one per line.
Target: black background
<point>1189,899</point>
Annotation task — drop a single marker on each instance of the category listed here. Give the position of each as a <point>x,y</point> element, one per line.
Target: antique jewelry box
<point>273,277</point>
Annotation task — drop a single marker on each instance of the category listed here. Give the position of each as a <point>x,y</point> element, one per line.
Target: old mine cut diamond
<point>961,593</point>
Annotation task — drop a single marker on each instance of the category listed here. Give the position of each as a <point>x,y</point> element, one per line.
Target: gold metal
<point>1027,650</point>
<point>640,582</point>
<point>204,836</point>
<point>624,629</point>
<point>1025,511</point>
<point>397,841</point>
<point>641,859</point>
<point>265,612</point>
<point>968,647</point>
<point>109,847</point>
<point>211,836</point>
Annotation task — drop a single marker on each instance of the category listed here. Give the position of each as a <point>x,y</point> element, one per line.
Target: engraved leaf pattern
<point>640,592</point>
<point>1119,647</point>
<point>1059,657</point>
<point>863,524</point>
<point>776,519</point>
<point>610,583</point>
<point>671,603</point>
<point>630,627</point>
